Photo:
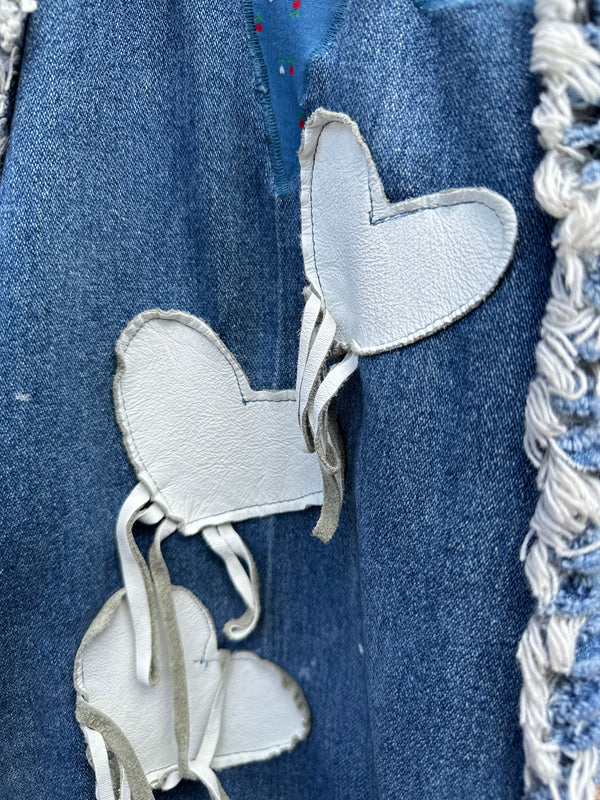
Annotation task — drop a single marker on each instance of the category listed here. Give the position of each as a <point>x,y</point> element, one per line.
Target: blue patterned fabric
<point>283,36</point>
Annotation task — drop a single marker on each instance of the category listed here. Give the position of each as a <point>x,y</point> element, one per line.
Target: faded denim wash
<point>139,174</point>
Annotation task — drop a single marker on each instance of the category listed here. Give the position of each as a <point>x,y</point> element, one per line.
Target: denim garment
<point>139,175</point>
<point>282,37</point>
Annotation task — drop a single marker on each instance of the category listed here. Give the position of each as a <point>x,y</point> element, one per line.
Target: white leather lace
<point>133,569</point>
<point>317,384</point>
<point>223,540</point>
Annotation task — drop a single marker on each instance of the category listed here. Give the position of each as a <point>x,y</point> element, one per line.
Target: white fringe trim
<point>569,499</point>
<point>13,14</point>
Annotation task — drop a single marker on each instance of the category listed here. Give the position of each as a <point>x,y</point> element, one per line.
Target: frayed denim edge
<point>263,91</point>
<point>559,651</point>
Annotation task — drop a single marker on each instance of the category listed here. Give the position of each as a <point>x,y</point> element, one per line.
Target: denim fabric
<point>442,489</point>
<point>282,38</point>
<point>139,175</point>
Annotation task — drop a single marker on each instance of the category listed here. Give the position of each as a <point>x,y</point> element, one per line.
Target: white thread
<point>569,499</point>
<point>200,763</point>
<point>561,639</point>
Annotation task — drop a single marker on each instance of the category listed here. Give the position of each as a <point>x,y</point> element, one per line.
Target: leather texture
<point>207,447</point>
<point>264,711</point>
<point>391,274</point>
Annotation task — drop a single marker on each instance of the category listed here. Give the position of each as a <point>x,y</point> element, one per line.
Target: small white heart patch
<point>261,710</point>
<point>207,447</point>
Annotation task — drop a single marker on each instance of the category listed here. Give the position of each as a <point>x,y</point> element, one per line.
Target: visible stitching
<point>143,319</point>
<point>254,750</point>
<point>262,505</point>
<point>263,91</point>
<point>208,620</point>
<point>301,707</point>
<point>457,312</point>
<point>227,356</point>
<point>401,214</point>
<point>105,617</point>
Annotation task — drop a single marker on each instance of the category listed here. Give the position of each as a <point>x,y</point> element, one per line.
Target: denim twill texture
<point>138,175</point>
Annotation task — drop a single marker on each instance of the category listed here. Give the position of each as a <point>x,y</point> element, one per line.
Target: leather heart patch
<point>261,711</point>
<point>207,447</point>
<point>390,274</point>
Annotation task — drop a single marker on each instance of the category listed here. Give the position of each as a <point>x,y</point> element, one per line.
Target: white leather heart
<point>264,712</point>
<point>381,275</point>
<point>207,447</point>
<point>392,274</point>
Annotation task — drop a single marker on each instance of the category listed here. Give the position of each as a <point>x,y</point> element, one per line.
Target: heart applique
<point>211,709</point>
<point>208,451</point>
<point>390,274</point>
<point>381,275</point>
<point>207,447</point>
<point>157,700</point>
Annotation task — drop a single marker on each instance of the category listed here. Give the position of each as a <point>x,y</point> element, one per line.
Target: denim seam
<point>263,92</point>
<point>557,652</point>
<point>283,182</point>
<point>371,714</point>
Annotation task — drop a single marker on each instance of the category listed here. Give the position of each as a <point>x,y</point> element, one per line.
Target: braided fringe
<point>559,652</point>
<point>13,14</point>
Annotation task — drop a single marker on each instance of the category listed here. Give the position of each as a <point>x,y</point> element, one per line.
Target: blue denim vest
<point>142,172</point>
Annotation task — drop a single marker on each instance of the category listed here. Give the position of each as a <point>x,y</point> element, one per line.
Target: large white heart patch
<point>207,447</point>
<point>390,274</point>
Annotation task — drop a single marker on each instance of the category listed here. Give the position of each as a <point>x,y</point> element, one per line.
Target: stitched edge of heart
<point>247,394</point>
<point>379,203</point>
<point>158,776</point>
<point>273,751</point>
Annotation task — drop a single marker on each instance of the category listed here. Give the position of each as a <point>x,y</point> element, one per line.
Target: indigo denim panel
<point>442,489</point>
<point>138,176</point>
